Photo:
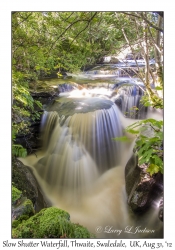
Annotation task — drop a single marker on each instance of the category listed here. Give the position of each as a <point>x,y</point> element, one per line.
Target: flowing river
<point>80,168</point>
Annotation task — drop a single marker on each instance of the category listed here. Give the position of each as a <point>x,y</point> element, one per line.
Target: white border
<point>5,93</point>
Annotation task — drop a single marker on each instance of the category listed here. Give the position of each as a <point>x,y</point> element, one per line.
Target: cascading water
<point>80,168</point>
<point>80,150</point>
<point>128,100</point>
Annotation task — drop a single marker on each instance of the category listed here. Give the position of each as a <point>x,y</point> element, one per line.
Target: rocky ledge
<point>143,190</point>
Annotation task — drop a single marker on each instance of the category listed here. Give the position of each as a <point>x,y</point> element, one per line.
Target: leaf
<point>18,150</point>
<point>144,146</point>
<point>134,108</point>
<point>135,124</point>
<point>159,88</point>
<point>148,154</point>
<point>122,138</point>
<point>153,169</point>
<point>132,131</point>
<point>157,159</point>
<point>39,104</point>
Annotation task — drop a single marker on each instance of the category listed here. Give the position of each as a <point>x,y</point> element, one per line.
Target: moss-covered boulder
<point>21,206</point>
<point>50,223</point>
<point>16,222</point>
<point>25,207</point>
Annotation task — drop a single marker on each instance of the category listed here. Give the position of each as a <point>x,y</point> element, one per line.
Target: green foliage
<point>159,88</point>
<point>43,42</point>
<point>50,223</point>
<point>22,111</point>
<point>122,139</point>
<point>18,150</point>
<point>148,144</point>
<point>155,101</point>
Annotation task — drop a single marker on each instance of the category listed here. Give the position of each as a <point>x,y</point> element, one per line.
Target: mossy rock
<point>24,180</point>
<point>24,208</point>
<point>16,195</point>
<point>50,223</point>
<point>15,223</point>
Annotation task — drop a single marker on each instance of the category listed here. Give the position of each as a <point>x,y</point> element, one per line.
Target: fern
<point>18,150</point>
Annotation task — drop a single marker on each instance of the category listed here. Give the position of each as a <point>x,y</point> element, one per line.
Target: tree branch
<point>84,28</point>
<point>151,24</point>
<point>24,19</point>
<point>68,27</point>
<point>145,19</point>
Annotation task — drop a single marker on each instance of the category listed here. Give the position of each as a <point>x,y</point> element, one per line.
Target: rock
<point>45,75</point>
<point>128,99</point>
<point>118,102</point>
<point>109,59</point>
<point>65,87</point>
<point>141,188</point>
<point>23,207</point>
<point>50,223</point>
<point>114,59</point>
<point>31,141</point>
<point>44,94</point>
<point>23,179</point>
<point>129,57</point>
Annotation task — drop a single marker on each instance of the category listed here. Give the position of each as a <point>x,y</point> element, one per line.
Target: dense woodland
<point>45,42</point>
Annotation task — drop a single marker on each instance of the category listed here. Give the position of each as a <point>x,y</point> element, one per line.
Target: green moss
<point>28,208</point>
<point>16,194</point>
<point>15,223</point>
<point>82,232</point>
<point>50,223</point>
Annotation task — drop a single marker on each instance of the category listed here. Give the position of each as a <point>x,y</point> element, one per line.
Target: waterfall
<point>80,149</point>
<point>80,168</point>
<point>128,100</point>
<point>48,123</point>
<point>95,131</point>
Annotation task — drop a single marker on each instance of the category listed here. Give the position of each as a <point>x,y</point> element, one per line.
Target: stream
<point>80,168</point>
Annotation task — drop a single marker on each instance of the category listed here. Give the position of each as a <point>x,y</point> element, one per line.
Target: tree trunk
<point>158,57</point>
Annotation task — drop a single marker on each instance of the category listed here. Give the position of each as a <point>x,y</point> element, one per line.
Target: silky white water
<point>80,168</point>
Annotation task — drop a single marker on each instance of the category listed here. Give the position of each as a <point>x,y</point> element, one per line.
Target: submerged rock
<point>50,223</point>
<point>142,189</point>
<point>66,87</point>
